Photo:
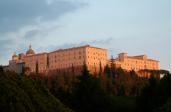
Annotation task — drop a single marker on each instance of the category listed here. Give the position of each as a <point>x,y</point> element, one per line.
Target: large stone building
<point>136,63</point>
<point>37,62</point>
<point>60,59</point>
<point>66,59</point>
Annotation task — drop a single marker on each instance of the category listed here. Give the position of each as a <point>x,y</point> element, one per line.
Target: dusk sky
<point>133,26</point>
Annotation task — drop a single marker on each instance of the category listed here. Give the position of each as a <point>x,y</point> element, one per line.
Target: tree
<point>107,70</point>
<point>87,93</point>
<point>37,67</point>
<point>121,91</point>
<point>1,69</point>
<point>166,107</point>
<point>100,69</point>
<point>22,94</point>
<point>113,70</point>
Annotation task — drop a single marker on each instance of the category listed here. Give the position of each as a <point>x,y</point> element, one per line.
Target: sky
<point>133,26</point>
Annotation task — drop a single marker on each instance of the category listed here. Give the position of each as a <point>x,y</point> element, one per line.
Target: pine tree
<point>37,67</point>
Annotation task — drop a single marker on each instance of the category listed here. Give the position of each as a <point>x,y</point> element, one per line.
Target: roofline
<point>37,54</point>
<point>123,53</point>
<point>139,56</point>
<point>98,48</point>
<point>84,46</point>
<point>153,60</point>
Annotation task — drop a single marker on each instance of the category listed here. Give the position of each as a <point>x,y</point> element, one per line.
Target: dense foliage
<point>111,90</point>
<point>156,95</point>
<point>22,94</point>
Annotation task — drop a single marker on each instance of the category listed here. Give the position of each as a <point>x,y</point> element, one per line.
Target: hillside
<point>22,94</point>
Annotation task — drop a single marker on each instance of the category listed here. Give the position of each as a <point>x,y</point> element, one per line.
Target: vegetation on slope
<point>22,94</point>
<point>111,90</point>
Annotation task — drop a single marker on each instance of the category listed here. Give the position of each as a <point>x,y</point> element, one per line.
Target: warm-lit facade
<point>34,62</point>
<point>37,61</point>
<point>136,63</point>
<point>76,57</point>
<point>60,59</point>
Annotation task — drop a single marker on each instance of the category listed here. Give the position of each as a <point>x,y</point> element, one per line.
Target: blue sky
<point>133,26</point>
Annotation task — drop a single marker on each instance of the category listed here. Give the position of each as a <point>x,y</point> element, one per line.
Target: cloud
<point>26,21</point>
<point>103,43</point>
<point>31,34</point>
<point>17,13</point>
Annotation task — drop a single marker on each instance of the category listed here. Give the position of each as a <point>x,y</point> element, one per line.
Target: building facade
<point>136,63</point>
<point>36,63</point>
<point>77,57</point>
<point>61,59</point>
<point>95,58</point>
<point>15,67</point>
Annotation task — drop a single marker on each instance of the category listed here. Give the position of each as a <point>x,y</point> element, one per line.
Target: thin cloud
<point>100,43</point>
<point>22,21</point>
<point>15,14</point>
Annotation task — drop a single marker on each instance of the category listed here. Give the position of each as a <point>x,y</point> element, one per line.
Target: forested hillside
<point>111,90</point>
<point>22,94</point>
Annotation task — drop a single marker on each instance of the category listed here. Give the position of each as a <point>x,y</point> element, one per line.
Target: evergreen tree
<point>113,70</point>
<point>107,70</point>
<point>37,67</point>
<point>87,93</point>
<point>24,94</point>
<point>121,91</point>
<point>1,69</point>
